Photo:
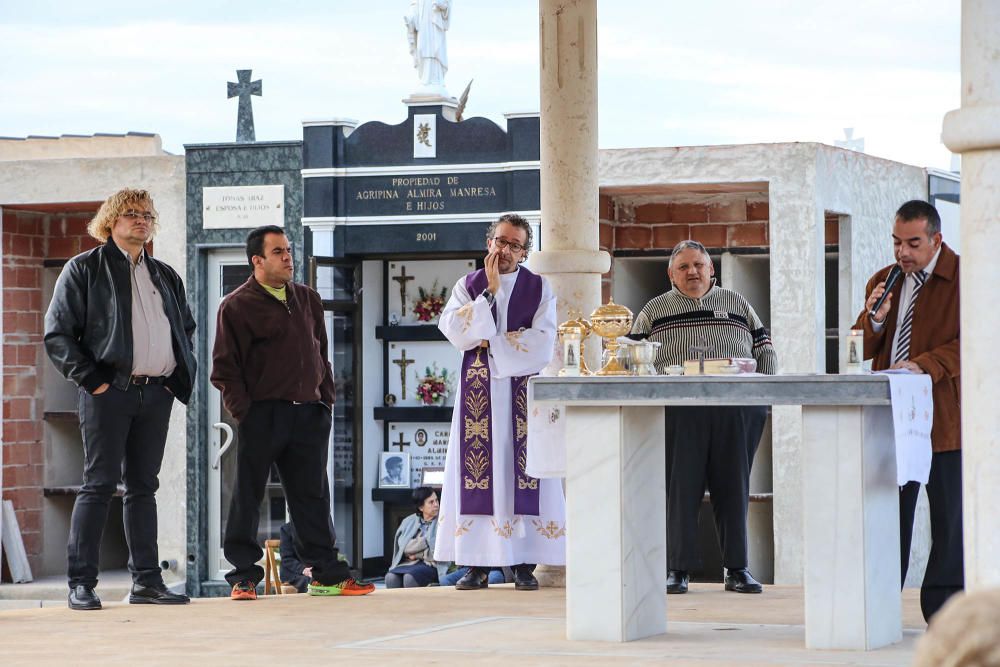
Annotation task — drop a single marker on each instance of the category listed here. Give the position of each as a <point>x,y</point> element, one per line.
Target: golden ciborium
<point>579,327</point>
<point>609,322</point>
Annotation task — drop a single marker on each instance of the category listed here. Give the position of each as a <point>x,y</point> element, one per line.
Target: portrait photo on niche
<point>394,470</point>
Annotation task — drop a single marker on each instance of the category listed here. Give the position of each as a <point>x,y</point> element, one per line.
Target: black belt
<point>146,379</point>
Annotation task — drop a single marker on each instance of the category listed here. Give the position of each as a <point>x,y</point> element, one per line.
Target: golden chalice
<point>578,327</point>
<point>609,322</point>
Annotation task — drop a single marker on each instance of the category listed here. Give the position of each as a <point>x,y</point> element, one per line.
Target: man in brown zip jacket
<point>917,328</point>
<point>271,364</point>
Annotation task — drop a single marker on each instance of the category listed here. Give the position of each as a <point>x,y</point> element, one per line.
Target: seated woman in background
<point>412,566</point>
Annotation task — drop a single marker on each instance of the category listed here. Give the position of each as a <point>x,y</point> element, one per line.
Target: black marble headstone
<point>386,201</point>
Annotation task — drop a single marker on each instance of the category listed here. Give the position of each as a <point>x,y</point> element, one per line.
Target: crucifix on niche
<point>403,363</point>
<point>401,442</point>
<point>402,279</point>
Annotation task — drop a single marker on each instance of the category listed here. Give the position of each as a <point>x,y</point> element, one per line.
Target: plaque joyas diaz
<point>408,278</point>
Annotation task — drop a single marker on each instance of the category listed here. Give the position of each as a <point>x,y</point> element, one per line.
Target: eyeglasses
<point>132,216</point>
<point>504,243</point>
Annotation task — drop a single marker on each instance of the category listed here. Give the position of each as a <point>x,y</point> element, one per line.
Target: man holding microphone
<point>916,327</point>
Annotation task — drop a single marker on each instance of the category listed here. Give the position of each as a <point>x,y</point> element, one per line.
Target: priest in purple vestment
<point>502,319</point>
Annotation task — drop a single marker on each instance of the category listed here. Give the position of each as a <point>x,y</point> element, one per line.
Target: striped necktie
<point>906,328</point>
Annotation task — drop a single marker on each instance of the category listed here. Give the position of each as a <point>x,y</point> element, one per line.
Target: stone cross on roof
<point>244,116</point>
<point>850,143</point>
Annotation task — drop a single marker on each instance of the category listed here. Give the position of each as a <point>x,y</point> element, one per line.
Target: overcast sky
<point>672,73</point>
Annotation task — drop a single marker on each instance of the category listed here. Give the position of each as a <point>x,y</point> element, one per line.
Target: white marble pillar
<point>571,259</point>
<point>798,332</point>
<point>851,565</point>
<point>616,546</point>
<point>974,131</point>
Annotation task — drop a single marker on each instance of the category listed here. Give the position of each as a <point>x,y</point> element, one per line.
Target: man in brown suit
<point>917,328</point>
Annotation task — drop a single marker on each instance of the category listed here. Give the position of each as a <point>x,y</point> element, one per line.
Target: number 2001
<point>426,236</point>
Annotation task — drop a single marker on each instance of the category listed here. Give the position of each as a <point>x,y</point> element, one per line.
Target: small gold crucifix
<point>701,351</point>
<point>402,279</point>
<point>403,362</point>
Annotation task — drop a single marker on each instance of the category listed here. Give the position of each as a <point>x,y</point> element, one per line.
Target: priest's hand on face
<point>492,263</point>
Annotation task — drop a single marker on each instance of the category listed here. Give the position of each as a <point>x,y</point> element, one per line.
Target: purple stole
<point>475,427</point>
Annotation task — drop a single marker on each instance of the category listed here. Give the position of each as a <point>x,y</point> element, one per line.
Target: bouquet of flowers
<point>430,304</point>
<point>435,385</point>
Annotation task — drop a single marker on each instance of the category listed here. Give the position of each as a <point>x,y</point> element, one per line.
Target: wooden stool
<point>271,548</point>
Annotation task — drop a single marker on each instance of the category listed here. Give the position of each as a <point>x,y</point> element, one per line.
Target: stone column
<point>974,131</point>
<point>571,259</point>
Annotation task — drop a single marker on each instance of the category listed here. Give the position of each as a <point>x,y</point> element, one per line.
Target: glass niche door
<point>338,282</point>
<point>227,270</point>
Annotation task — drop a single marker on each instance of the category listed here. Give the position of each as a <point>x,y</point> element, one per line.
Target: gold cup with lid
<point>609,322</point>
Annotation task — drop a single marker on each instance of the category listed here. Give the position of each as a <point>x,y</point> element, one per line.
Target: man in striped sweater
<point>709,447</point>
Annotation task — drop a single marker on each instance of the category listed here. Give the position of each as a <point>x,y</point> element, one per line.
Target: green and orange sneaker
<point>244,590</point>
<point>346,587</point>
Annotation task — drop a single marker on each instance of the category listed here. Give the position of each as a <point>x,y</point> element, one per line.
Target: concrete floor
<point>706,627</point>
<point>51,591</point>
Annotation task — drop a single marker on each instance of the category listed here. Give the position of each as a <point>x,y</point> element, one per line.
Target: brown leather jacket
<point>934,343</point>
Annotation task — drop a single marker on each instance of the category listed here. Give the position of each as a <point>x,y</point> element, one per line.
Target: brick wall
<point>607,241</point>
<point>26,240</point>
<point>831,230</point>
<point>731,221</point>
<point>23,244</point>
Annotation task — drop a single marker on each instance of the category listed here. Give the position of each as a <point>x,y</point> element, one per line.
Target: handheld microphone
<point>892,279</point>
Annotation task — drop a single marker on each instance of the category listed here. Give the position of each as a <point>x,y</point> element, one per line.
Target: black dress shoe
<point>524,578</point>
<point>83,597</point>
<point>155,595</point>
<point>740,581</point>
<point>677,581</point>
<point>474,579</point>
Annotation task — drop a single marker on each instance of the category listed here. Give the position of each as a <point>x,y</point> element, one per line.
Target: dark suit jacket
<point>934,343</point>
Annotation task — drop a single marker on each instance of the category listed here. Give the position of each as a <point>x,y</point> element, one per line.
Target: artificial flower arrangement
<point>430,304</point>
<point>435,385</point>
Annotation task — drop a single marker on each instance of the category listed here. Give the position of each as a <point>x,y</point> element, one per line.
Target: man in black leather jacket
<point>119,327</point>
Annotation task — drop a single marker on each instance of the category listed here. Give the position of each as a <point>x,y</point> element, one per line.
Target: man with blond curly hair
<point>119,327</point>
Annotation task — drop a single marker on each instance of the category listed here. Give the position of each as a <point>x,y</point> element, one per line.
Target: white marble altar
<point>615,488</point>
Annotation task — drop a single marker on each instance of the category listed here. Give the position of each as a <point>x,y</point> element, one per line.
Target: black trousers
<point>710,447</point>
<point>945,574</point>
<point>295,437</point>
<point>124,433</point>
